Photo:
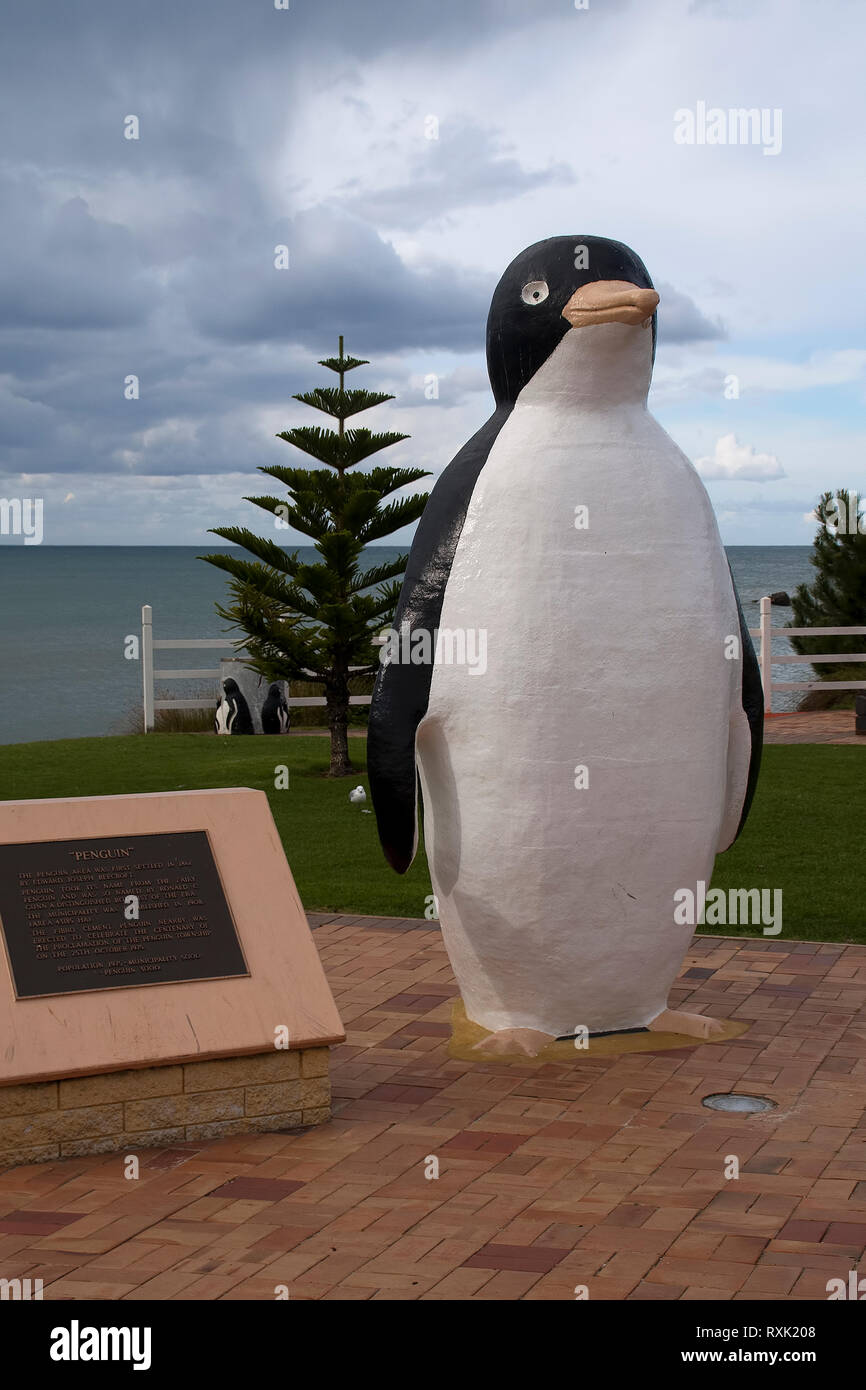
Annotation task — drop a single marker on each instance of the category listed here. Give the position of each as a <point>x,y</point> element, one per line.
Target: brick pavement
<point>606,1173</point>
<point>814,726</point>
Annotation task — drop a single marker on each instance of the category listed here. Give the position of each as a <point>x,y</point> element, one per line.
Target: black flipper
<point>753,706</point>
<point>402,691</point>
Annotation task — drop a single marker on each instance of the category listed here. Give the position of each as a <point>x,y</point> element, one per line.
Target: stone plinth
<point>155,1106</point>
<point>131,1066</point>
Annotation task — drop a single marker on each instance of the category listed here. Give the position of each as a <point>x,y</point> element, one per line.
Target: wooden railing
<point>149,644</point>
<point>766,632</point>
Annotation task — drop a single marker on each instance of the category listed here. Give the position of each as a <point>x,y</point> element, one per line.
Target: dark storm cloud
<point>195,413</point>
<point>342,277</point>
<point>210,336</point>
<point>176,283</point>
<point>216,28</point>
<point>466,166</point>
<point>70,72</point>
<point>61,267</point>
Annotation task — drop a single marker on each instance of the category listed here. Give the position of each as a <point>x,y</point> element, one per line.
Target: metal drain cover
<point>743,1105</point>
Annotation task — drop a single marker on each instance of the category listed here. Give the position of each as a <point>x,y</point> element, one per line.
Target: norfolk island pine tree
<point>836,596</point>
<point>313,622</point>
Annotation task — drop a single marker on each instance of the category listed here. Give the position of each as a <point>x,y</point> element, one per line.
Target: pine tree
<point>837,595</point>
<point>313,622</point>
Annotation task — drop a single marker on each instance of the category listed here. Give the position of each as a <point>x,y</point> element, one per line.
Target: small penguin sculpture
<point>275,711</point>
<point>222,721</point>
<point>232,712</point>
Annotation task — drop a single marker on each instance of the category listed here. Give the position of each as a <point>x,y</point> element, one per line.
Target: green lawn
<point>804,834</point>
<point>332,847</point>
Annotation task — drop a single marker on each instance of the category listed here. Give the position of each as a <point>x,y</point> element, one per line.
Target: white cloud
<point>739,463</point>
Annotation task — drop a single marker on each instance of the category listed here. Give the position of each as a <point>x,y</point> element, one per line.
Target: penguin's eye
<point>535,292</point>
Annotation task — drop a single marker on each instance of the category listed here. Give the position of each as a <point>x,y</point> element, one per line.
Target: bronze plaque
<point>113,913</point>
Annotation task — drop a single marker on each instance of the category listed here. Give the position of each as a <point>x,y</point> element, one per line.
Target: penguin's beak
<point>610,301</point>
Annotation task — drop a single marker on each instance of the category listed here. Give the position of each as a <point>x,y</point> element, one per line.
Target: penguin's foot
<point>690,1025</point>
<point>528,1042</point>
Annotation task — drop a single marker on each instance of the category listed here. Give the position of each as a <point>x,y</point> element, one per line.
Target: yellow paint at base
<point>465,1035</point>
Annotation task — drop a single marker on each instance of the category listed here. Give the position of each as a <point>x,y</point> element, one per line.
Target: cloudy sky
<point>404,153</point>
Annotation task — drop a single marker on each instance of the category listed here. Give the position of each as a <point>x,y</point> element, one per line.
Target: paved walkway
<point>606,1173</point>
<point>818,726</point>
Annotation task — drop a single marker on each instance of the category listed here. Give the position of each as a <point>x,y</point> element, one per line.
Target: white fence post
<point>765,660</point>
<point>767,653</point>
<point>147,664</point>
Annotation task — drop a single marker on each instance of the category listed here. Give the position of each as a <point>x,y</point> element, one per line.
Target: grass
<point>332,847</point>
<point>803,835</point>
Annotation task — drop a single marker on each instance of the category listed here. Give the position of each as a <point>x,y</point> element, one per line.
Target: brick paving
<point>606,1173</point>
<point>814,726</point>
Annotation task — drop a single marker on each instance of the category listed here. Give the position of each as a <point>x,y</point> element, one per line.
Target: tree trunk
<point>337,697</point>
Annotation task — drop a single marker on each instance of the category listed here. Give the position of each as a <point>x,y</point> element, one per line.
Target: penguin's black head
<point>231,687</point>
<point>562,283</point>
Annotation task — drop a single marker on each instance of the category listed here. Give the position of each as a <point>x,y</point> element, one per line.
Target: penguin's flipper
<point>402,690</point>
<point>746,737</point>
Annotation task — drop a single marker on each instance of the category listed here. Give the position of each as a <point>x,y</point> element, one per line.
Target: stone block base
<point>122,1111</point>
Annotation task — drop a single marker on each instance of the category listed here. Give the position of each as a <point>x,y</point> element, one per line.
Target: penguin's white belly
<point>605,651</point>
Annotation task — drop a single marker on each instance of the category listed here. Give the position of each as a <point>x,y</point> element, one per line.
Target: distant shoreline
<point>69,610</point>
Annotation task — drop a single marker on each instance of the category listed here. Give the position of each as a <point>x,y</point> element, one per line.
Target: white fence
<point>766,632</point>
<point>150,644</point>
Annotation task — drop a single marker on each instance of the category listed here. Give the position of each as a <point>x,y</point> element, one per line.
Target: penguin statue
<point>275,711</point>
<point>607,745</point>
<point>223,716</point>
<point>232,712</point>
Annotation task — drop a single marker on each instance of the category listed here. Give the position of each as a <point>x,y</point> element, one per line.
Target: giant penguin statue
<point>608,747</point>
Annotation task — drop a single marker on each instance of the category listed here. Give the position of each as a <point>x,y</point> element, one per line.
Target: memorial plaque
<point>68,914</point>
<point>219,919</point>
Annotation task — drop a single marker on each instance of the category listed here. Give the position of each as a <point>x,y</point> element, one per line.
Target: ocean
<point>65,612</point>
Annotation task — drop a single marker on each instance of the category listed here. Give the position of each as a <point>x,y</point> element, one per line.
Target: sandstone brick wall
<point>128,1110</point>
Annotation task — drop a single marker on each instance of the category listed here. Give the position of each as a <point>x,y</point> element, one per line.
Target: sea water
<point>66,612</point>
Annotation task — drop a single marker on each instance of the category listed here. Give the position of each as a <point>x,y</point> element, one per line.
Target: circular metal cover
<point>732,1100</point>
